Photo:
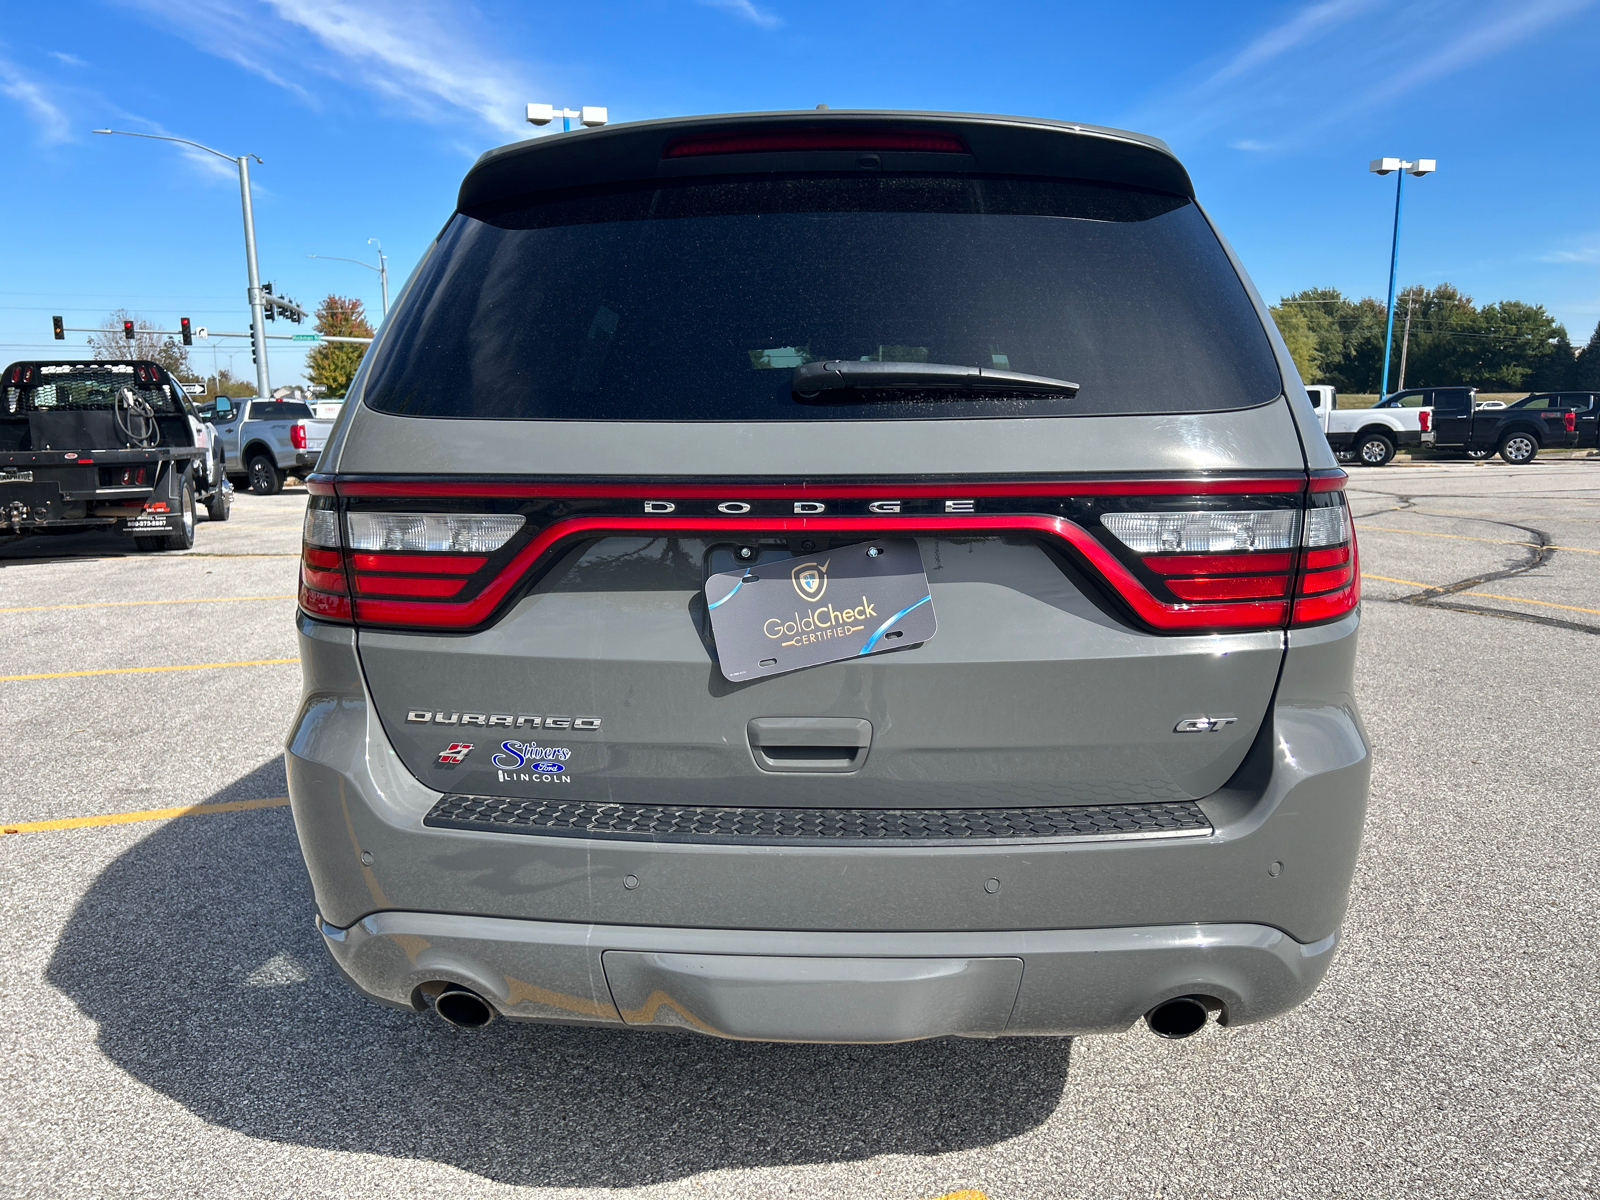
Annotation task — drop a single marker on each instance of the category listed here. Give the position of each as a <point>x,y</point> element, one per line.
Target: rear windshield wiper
<point>821,382</point>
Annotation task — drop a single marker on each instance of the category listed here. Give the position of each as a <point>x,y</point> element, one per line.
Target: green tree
<point>1586,373</point>
<point>110,343</point>
<point>224,384</point>
<point>1301,340</point>
<point>333,364</point>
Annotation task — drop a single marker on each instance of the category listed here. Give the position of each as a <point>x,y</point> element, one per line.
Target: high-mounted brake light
<point>920,141</point>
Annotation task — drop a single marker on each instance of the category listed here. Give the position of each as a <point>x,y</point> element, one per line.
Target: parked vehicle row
<point>1452,418</point>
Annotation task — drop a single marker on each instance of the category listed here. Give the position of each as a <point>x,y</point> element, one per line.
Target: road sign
<point>195,389</point>
<point>308,337</point>
<point>202,332</point>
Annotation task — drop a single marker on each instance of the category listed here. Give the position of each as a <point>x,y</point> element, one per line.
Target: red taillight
<point>1425,419</point>
<point>1570,421</point>
<point>297,436</point>
<point>324,591</point>
<point>923,141</point>
<point>1330,569</point>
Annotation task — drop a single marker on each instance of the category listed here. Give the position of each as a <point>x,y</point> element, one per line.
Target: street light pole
<point>1383,166</point>
<point>258,339</point>
<point>383,273</point>
<point>382,269</point>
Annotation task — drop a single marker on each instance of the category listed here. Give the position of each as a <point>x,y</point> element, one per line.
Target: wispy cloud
<point>72,60</point>
<point>48,117</point>
<point>747,10</point>
<point>426,60</point>
<point>1305,73</point>
<point>1583,254</point>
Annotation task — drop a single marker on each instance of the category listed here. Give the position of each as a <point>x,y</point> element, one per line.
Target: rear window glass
<point>279,410</point>
<point>697,301</point>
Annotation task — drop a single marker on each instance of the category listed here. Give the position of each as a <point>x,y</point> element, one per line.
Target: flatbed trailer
<point>109,445</point>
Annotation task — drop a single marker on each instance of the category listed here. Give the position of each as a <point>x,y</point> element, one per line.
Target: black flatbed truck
<point>111,445</point>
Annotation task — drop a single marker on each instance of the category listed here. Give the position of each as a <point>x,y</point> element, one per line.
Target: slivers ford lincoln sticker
<point>849,602</point>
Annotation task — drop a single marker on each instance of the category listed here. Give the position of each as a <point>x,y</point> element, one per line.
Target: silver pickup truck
<point>266,440</point>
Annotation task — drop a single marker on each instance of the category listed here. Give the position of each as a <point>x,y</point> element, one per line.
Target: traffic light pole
<point>258,338</point>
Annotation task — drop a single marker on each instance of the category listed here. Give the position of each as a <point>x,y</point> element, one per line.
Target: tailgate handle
<point>810,743</point>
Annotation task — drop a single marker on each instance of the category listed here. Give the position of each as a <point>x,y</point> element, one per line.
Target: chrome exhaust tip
<point>463,1008</point>
<point>1178,1018</point>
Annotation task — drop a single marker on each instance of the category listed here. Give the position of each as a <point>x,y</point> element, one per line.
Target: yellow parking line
<point>135,603</point>
<point>1407,582</point>
<point>149,814</point>
<point>1485,595</point>
<point>1525,600</point>
<point>1461,537</point>
<point>963,1194</point>
<point>259,662</point>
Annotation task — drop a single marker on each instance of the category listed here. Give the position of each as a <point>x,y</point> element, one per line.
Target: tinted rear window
<point>696,301</point>
<point>280,410</point>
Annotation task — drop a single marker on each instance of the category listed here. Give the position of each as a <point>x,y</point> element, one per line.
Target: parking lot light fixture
<point>257,309</point>
<point>589,116</point>
<point>1400,168</point>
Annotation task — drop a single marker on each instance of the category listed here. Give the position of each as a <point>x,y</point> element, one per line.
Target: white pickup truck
<point>267,440</point>
<point>1369,436</point>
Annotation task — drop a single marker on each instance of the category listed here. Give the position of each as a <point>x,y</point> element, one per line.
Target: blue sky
<point>367,112</point>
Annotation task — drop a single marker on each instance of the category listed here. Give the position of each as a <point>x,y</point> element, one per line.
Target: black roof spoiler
<point>994,145</point>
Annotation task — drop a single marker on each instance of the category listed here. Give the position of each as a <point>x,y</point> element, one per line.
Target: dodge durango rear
<point>842,577</point>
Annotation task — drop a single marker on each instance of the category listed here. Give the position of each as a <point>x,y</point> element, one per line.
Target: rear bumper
<point>1100,930</point>
<point>829,987</point>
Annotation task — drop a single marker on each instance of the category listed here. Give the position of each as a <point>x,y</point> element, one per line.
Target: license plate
<point>847,602</point>
<point>16,477</point>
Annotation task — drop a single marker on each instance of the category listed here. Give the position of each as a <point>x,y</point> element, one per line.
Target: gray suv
<point>835,577</point>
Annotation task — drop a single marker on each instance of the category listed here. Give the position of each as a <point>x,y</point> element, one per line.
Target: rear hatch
<point>587,404</point>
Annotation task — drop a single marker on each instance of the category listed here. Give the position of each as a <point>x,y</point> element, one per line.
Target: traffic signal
<point>270,309</point>
<point>188,334</point>
<point>127,330</point>
<point>60,328</point>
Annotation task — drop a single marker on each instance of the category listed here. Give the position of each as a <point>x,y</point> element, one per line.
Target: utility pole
<point>1405,344</point>
<point>258,338</point>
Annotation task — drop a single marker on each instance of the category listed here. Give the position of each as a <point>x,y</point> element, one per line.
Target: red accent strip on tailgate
<point>1247,614</point>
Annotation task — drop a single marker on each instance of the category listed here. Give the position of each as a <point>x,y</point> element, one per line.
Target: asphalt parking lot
<point>173,1027</point>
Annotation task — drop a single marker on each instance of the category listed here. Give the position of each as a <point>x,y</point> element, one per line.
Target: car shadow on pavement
<point>195,954</point>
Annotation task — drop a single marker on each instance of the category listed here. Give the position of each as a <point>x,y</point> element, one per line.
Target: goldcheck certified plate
<point>847,602</point>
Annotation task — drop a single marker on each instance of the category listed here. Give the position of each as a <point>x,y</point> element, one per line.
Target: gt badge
<point>455,752</point>
<point>1204,724</point>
